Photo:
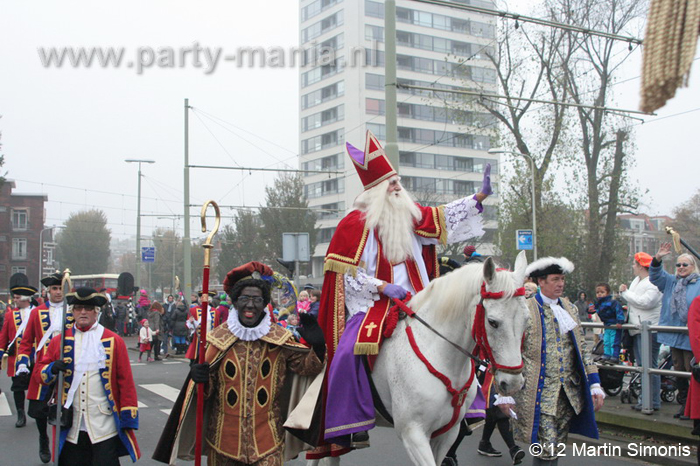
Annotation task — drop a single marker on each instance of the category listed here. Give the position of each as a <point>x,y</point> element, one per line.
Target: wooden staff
<point>677,241</point>
<point>66,287</point>
<point>208,246</point>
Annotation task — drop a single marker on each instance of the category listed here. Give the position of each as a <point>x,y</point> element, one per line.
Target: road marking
<point>142,405</point>
<point>173,362</point>
<point>166,411</point>
<point>166,391</point>
<point>138,363</point>
<point>4,406</point>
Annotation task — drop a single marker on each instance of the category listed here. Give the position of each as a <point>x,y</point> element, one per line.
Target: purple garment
<point>349,405</point>
<point>478,406</point>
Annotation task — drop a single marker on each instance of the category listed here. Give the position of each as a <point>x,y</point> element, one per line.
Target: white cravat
<point>92,357</point>
<point>56,319</point>
<point>248,333</point>
<point>566,323</point>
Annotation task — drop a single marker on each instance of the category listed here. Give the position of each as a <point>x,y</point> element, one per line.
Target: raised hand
<point>664,250</point>
<point>486,189</point>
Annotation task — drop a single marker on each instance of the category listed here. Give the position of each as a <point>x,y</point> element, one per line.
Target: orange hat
<point>643,259</point>
<point>372,165</point>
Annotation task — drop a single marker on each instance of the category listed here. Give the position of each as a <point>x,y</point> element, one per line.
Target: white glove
<point>22,369</point>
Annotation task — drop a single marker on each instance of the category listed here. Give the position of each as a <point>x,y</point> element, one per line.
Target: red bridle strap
<point>479,329</point>
<point>458,397</point>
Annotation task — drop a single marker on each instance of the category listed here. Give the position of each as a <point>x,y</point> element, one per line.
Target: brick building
<point>21,230</point>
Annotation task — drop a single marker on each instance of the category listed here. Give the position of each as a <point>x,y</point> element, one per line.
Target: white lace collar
<point>566,323</point>
<point>248,333</point>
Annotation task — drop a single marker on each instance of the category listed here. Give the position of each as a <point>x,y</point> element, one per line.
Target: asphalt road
<point>158,384</point>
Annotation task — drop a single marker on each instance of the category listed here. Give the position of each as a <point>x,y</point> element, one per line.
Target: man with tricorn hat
<point>247,359</point>
<point>562,388</point>
<point>99,395</point>
<point>45,322</point>
<point>195,319</point>
<point>381,250</point>
<point>11,337</point>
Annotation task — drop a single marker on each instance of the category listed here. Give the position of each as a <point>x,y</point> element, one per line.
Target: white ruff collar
<point>248,333</point>
<point>566,323</point>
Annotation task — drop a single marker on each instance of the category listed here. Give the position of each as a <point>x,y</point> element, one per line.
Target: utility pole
<point>392,146</point>
<point>138,220</point>
<point>186,242</point>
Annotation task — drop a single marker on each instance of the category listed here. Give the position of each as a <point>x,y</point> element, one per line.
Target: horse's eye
<point>493,323</point>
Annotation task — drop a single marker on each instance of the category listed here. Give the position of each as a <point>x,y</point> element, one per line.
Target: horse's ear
<point>520,266</point>
<point>489,270</point>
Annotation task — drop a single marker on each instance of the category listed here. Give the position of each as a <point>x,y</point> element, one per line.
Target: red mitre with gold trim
<point>373,166</point>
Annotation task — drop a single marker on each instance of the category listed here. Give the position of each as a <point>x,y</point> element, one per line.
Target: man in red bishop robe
<point>380,251</point>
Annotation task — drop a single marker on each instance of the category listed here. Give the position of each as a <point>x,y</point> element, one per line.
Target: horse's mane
<point>451,295</point>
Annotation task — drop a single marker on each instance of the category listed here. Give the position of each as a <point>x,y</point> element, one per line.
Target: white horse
<point>417,400</point>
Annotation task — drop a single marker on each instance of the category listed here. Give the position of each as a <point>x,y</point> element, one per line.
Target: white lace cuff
<point>597,390</point>
<point>463,220</point>
<point>22,369</point>
<point>361,291</point>
<point>503,400</point>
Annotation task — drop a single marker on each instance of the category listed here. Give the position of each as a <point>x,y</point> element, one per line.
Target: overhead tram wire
<point>525,99</point>
<point>237,135</point>
<point>530,19</point>
<point>215,138</point>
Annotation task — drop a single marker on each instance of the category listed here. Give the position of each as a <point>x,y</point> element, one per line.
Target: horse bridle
<point>479,330</point>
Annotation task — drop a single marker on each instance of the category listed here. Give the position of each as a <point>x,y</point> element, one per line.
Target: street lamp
<point>499,150</point>
<point>41,251</point>
<point>138,220</point>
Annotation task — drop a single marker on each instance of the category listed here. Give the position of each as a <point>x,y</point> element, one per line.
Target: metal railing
<point>645,369</point>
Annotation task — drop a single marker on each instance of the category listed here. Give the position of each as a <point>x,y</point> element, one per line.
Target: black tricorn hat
<point>23,290</point>
<point>86,297</point>
<point>211,293</point>
<point>54,279</point>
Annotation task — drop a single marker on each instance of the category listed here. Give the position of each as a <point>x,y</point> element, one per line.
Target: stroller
<point>610,379</point>
<point>668,383</point>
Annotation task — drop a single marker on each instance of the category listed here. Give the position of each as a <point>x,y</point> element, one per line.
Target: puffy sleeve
<point>463,220</point>
<point>361,291</point>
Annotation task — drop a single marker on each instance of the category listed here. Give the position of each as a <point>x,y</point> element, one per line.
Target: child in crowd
<point>314,298</point>
<point>293,325</point>
<point>611,313</point>
<point>145,338</point>
<point>303,304</point>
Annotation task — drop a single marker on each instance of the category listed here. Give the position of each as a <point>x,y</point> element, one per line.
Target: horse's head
<point>505,317</point>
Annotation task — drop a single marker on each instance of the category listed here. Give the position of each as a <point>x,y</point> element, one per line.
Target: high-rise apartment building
<point>443,141</point>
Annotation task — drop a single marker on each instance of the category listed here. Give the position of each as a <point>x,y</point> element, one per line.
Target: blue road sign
<point>523,240</point>
<point>148,254</point>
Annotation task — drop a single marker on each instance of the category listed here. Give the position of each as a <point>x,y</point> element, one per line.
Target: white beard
<point>393,215</point>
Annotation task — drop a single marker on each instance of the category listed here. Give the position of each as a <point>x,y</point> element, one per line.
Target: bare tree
<point>581,151</point>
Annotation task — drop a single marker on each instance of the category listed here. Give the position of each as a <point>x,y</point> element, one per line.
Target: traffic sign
<point>148,254</point>
<point>523,240</point>
<point>295,247</point>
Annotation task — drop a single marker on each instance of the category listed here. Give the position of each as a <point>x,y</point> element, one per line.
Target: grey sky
<point>74,127</point>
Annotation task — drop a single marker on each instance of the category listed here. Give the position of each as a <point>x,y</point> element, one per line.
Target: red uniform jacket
<point>117,382</point>
<point>29,354</point>
<point>195,313</point>
<point>13,320</point>
<point>692,406</point>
